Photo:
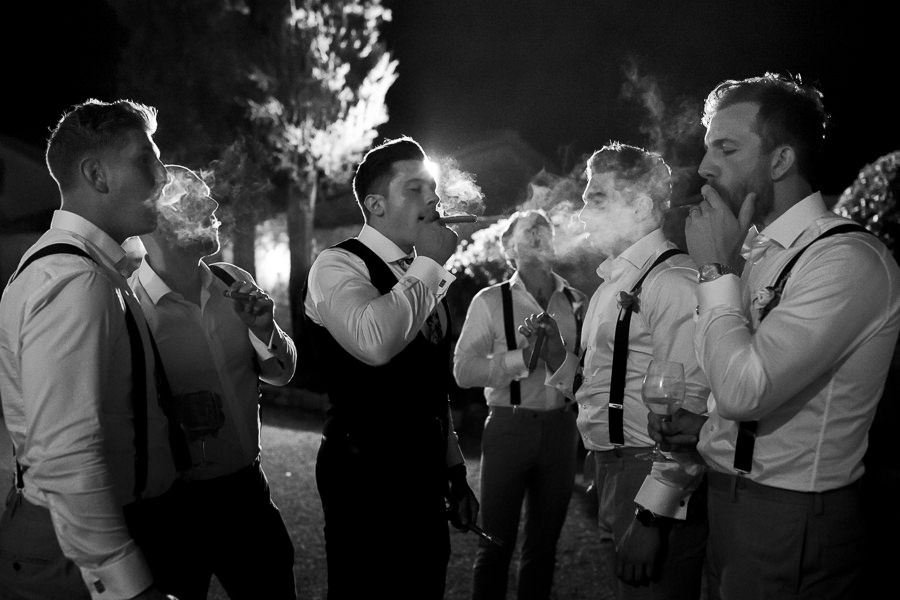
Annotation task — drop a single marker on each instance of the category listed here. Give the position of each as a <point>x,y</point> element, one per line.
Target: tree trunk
<point>301,211</point>
<point>244,245</point>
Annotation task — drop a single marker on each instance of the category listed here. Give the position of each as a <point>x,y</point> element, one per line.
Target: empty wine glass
<point>662,392</point>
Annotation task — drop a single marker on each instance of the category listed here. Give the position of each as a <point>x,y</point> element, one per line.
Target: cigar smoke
<point>457,188</point>
<point>186,210</point>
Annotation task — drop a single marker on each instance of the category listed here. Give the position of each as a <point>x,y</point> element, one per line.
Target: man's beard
<point>757,182</point>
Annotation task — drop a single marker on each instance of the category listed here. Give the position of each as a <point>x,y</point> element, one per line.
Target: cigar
<point>485,535</point>
<point>238,295</point>
<point>538,344</point>
<point>455,219</point>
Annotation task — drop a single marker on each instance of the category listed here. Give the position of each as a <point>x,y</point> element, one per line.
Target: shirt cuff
<point>435,277</point>
<point>124,578</point>
<point>726,290</point>
<point>662,500</point>
<point>563,379</point>
<point>263,350</point>
<point>514,363</point>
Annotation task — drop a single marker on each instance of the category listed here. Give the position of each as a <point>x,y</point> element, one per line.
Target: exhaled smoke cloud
<point>672,127</point>
<point>458,191</point>
<point>240,184</point>
<point>185,208</point>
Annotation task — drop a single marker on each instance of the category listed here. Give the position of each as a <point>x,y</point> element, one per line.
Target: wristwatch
<point>646,517</point>
<point>712,271</point>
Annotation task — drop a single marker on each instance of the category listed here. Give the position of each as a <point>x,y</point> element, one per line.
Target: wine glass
<point>662,392</point>
<point>201,416</point>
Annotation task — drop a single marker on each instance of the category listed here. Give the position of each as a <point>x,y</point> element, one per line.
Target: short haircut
<point>517,216</point>
<point>376,168</point>
<point>636,169</point>
<point>91,126</point>
<point>790,113</point>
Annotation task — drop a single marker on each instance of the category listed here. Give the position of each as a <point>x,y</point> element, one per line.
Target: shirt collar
<point>787,228</point>
<point>637,255</point>
<point>74,223</point>
<point>559,283</point>
<point>378,243</point>
<point>156,288</point>
<point>152,283</point>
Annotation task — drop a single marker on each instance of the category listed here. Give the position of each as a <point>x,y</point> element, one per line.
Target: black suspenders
<point>746,437</point>
<point>515,389</point>
<point>180,450</point>
<point>620,357</point>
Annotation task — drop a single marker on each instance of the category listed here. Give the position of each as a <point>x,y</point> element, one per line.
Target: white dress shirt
<point>208,348</point>
<point>370,326</point>
<point>482,358</point>
<point>662,328</point>
<point>65,383</point>
<point>813,370</point>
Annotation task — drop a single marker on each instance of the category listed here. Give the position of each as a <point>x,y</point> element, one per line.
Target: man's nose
<point>706,169</point>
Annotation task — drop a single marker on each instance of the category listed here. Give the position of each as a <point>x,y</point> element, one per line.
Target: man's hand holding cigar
<point>254,307</point>
<point>544,341</point>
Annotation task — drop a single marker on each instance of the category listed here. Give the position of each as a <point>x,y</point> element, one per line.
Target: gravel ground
<point>290,438</point>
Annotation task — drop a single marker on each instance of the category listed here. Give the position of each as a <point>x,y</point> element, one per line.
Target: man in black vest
<point>375,313</point>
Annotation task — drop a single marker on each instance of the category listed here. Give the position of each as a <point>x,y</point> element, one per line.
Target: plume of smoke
<point>185,213</point>
<point>672,128</point>
<point>240,184</point>
<point>457,188</point>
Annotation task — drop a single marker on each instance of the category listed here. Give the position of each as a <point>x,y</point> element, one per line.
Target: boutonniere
<point>627,300</point>
<point>767,298</point>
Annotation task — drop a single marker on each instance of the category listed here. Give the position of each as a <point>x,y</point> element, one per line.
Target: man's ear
<point>643,207</point>
<point>375,203</point>
<point>92,171</point>
<point>783,161</point>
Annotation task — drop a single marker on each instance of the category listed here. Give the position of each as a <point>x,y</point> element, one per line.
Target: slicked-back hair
<point>519,215</point>
<point>377,167</point>
<point>93,126</point>
<point>514,219</point>
<point>790,113</point>
<point>635,169</point>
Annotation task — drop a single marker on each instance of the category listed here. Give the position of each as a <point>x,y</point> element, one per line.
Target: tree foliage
<point>289,93</point>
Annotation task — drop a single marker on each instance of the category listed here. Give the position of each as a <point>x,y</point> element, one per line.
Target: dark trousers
<point>32,565</point>
<point>526,456</point>
<point>618,476</point>
<point>767,542</point>
<point>386,534</point>
<point>241,538</point>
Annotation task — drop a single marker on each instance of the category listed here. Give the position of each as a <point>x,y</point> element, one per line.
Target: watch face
<point>645,517</point>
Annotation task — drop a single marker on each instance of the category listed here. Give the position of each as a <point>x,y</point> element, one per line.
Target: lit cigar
<point>238,295</point>
<point>538,344</point>
<point>485,535</point>
<point>456,219</point>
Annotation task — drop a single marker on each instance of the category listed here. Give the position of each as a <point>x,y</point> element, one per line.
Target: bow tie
<point>755,245</point>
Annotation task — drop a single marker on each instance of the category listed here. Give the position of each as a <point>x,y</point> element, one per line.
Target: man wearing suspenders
<point>528,450</point>
<point>96,509</point>
<point>796,349</point>
<point>642,310</point>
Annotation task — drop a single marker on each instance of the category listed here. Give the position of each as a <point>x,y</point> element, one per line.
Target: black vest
<point>402,405</point>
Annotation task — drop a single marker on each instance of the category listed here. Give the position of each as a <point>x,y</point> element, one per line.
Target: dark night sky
<point>551,70</point>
